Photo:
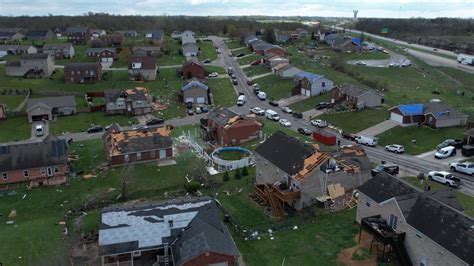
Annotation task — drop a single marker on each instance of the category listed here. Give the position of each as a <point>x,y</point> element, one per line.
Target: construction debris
<point>12,214</point>
<point>335,190</point>
<point>89,176</point>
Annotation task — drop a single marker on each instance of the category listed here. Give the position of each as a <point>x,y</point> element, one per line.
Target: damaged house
<point>136,101</point>
<point>31,66</point>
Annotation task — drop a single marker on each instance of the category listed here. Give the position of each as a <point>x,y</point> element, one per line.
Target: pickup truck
<point>445,178</point>
<point>463,167</point>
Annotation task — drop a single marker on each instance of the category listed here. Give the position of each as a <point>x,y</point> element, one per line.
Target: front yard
<point>356,121</point>
<point>223,92</point>
<point>14,128</point>
<point>248,59</point>
<point>310,103</point>
<point>256,70</point>
<point>275,87</point>
<point>426,137</point>
<point>207,51</point>
<point>81,122</point>
<point>234,44</point>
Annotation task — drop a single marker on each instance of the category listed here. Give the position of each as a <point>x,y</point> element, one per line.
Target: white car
<point>262,95</point>
<point>445,178</point>
<point>285,123</point>
<point>395,148</point>
<point>257,111</point>
<point>361,63</point>
<point>319,123</point>
<point>463,167</point>
<point>214,74</point>
<point>286,110</point>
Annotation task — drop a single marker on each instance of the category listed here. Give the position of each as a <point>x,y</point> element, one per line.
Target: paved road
<point>434,60</point>
<point>394,58</point>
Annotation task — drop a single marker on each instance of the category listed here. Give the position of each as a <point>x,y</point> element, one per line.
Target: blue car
<point>204,109</point>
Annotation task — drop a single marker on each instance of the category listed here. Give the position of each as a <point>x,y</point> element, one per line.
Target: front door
<point>49,171</point>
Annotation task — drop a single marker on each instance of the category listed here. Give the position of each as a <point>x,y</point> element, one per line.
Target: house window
<point>393,221</point>
<point>152,154</point>
<point>162,154</point>
<point>139,155</point>
<point>4,176</point>
<point>56,169</point>
<point>43,171</point>
<point>139,102</point>
<point>126,157</point>
<point>25,173</point>
<point>323,84</point>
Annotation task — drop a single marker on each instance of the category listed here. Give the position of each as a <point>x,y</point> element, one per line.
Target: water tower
<point>355,14</point>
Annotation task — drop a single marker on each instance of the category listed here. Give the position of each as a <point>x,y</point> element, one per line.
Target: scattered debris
<point>12,214</point>
<point>24,196</point>
<point>62,222</point>
<point>9,222</point>
<point>295,227</point>
<point>88,176</point>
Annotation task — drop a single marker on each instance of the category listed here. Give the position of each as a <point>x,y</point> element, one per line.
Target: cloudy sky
<point>339,8</point>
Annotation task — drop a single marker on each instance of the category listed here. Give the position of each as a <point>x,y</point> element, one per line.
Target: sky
<point>323,8</point>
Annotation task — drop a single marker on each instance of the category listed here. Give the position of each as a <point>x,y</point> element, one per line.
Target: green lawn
<point>82,121</point>
<point>310,103</point>
<point>174,57</point>
<point>11,101</point>
<point>217,69</point>
<point>248,59</point>
<point>426,137</point>
<point>14,128</point>
<point>222,91</point>
<point>275,87</point>
<point>256,70</point>
<point>365,56</point>
<point>207,51</point>
<point>356,121</point>
<point>467,202</point>
<point>243,50</point>
<point>234,44</point>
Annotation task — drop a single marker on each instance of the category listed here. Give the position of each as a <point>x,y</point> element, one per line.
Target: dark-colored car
<point>388,168</point>
<point>155,121</point>
<point>249,82</point>
<point>348,136</point>
<point>207,61</point>
<point>204,109</point>
<point>273,103</point>
<point>189,105</point>
<point>305,131</point>
<point>190,111</point>
<point>297,115</point>
<point>95,129</point>
<point>240,55</point>
<point>234,81</point>
<point>458,143</point>
<point>321,105</point>
<point>256,90</point>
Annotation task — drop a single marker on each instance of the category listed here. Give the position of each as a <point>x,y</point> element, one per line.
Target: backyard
<point>356,121</point>
<point>275,87</point>
<point>11,101</point>
<point>207,51</point>
<point>174,57</point>
<point>14,128</point>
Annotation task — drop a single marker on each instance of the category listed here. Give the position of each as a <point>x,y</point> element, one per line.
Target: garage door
<point>305,92</point>
<point>189,100</point>
<point>396,117</point>
<point>107,59</point>
<point>201,100</point>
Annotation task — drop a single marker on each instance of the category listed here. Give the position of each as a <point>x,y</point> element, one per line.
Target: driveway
<point>394,58</point>
<point>378,129</point>
<point>429,156</point>
<point>45,130</point>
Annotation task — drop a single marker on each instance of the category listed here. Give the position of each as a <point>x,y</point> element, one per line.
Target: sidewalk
<point>378,129</point>
<point>260,76</point>
<point>292,100</point>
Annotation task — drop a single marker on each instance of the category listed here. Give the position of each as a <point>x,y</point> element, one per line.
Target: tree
<point>232,31</point>
<point>166,45</point>
<point>245,171</point>
<point>269,35</point>
<point>224,29</point>
<point>226,176</point>
<point>312,36</point>
<point>237,175</point>
<point>192,186</point>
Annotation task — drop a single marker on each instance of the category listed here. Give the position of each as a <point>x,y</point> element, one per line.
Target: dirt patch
<point>358,254</point>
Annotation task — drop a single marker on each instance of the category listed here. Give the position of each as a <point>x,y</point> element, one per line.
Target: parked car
<point>395,148</point>
<point>285,122</point>
<point>388,168</point>
<point>234,81</point>
<point>368,141</point>
<point>256,90</point>
<point>445,143</point>
<point>249,82</point>
<point>232,76</point>
<point>287,110</point>
<point>444,178</point>
<point>198,110</point>
<point>154,121</point>
<point>272,115</point>
<point>207,61</point>
<point>204,109</point>
<point>273,103</point>
<point>95,129</point>
<point>189,105</point>
<point>322,105</point>
<point>241,100</point>
<point>305,131</point>
<point>297,115</point>
<point>463,167</point>
<point>257,111</point>
<point>190,111</point>
<point>39,130</point>
<point>140,127</point>
<point>445,152</point>
<point>213,75</point>
<point>361,63</point>
<point>262,95</point>
<point>319,123</point>
<point>348,136</point>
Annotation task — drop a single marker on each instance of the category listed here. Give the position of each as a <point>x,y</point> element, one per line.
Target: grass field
<point>217,69</point>
<point>14,128</point>
<point>248,59</point>
<point>207,51</point>
<point>256,70</point>
<point>11,101</point>
<point>356,121</point>
<point>275,87</point>
<point>234,44</point>
<point>173,58</point>
<point>223,92</point>
<point>310,103</point>
<point>243,50</point>
<point>426,137</point>
<point>81,122</point>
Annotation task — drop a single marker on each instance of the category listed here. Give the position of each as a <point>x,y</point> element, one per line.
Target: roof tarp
<point>411,109</point>
<point>356,41</point>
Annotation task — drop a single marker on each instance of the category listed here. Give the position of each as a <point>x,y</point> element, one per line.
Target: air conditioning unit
<point>136,253</point>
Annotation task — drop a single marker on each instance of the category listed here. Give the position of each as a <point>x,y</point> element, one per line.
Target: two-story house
<point>82,72</point>
<point>136,101</point>
<point>31,66</point>
<point>188,37</point>
<point>142,68</point>
<point>78,35</point>
<point>310,84</point>
<point>193,69</point>
<point>59,50</point>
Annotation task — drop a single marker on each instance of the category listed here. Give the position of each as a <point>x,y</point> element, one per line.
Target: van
<point>272,115</point>
<point>369,141</point>
<point>445,152</point>
<point>241,100</point>
<point>39,130</point>
<point>262,95</point>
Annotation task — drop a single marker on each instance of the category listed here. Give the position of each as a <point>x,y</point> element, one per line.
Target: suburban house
<point>355,97</point>
<point>78,35</point>
<point>102,55</point>
<point>346,44</point>
<point>154,35</point>
<point>274,50</point>
<point>82,72</point>
<point>286,71</point>
<point>310,84</point>
<point>39,35</point>
<point>282,36</point>
<point>11,36</point>
<point>15,49</point>
<point>193,69</point>
<point>40,163</point>
<point>58,31</point>
<point>433,114</point>
<point>226,128</point>
<point>112,39</point>
<point>3,111</point>
<point>59,50</point>
<point>190,49</point>
<point>249,39</point>
<point>188,37</point>
<point>49,108</point>
<point>136,101</point>
<point>31,66</point>
<point>422,228</point>
<point>469,137</point>
<point>124,146</point>
<point>146,51</point>
<point>142,68</point>
<point>297,175</point>
<point>97,33</point>
<point>195,92</point>
<point>181,232</point>
<point>128,33</point>
<point>259,47</point>
<point>275,60</point>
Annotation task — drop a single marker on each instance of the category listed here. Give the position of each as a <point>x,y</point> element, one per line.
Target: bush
<point>237,175</point>
<point>245,171</point>
<point>192,186</point>
<point>226,176</point>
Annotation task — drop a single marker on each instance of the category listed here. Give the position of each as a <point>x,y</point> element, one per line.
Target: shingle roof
<point>148,62</point>
<point>98,50</point>
<point>155,34</point>
<point>285,152</point>
<point>81,66</point>
<point>222,115</point>
<point>383,187</point>
<point>48,152</point>
<point>194,83</point>
<point>76,29</point>
<point>442,111</point>
<point>56,46</point>
<point>54,102</point>
<point>35,56</point>
<point>310,76</point>
<point>36,33</point>
<point>354,90</point>
<point>190,47</point>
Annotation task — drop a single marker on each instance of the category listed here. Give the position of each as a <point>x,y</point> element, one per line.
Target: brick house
<point>49,108</point>
<point>180,232</point>
<point>59,50</point>
<point>422,228</point>
<point>433,114</point>
<point>310,84</point>
<point>40,163</point>
<point>39,35</point>
<point>31,66</point>
<point>82,72</point>
<point>146,51</point>
<point>133,146</point>
<point>193,69</point>
<point>78,35</point>
<point>102,55</point>
<point>355,97</point>
<point>226,128</point>
<point>136,101</point>
<point>142,68</point>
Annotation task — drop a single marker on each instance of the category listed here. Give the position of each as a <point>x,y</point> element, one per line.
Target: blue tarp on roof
<point>411,109</point>
<point>356,41</point>
<point>192,84</point>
